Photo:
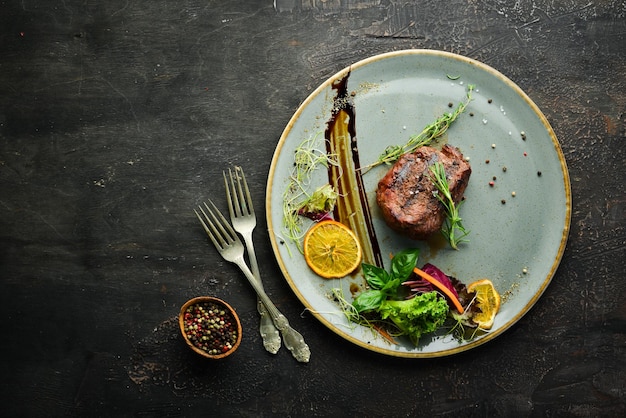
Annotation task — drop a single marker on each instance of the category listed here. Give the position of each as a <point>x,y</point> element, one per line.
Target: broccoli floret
<point>419,315</point>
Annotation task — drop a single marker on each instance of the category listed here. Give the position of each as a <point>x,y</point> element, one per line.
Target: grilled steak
<point>405,194</point>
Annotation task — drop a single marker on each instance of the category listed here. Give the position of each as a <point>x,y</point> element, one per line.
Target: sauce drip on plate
<point>352,207</point>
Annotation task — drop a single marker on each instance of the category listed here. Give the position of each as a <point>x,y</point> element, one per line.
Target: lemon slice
<point>331,249</point>
<point>487,299</point>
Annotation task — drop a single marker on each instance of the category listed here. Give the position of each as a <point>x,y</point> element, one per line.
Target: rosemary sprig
<point>429,134</point>
<point>453,221</point>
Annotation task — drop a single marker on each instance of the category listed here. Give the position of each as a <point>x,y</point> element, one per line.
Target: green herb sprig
<point>453,222</point>
<point>430,133</point>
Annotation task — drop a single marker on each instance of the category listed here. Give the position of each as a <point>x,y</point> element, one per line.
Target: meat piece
<point>405,194</point>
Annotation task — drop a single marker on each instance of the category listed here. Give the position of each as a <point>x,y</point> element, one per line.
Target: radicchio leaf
<point>440,276</point>
<point>420,285</point>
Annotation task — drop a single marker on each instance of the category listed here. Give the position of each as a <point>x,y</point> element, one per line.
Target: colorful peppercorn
<point>210,327</point>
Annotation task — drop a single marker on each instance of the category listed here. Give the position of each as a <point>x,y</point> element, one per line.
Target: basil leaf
<point>368,301</point>
<point>403,263</point>
<point>391,287</point>
<point>375,276</point>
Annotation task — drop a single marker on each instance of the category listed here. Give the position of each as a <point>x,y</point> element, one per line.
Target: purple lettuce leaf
<point>440,276</point>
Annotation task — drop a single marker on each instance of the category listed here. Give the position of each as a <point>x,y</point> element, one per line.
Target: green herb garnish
<point>385,302</point>
<point>403,302</point>
<point>453,221</point>
<point>307,158</point>
<point>383,284</point>
<point>462,326</point>
<point>430,133</point>
<point>320,203</point>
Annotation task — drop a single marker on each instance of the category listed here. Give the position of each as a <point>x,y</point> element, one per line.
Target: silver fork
<point>243,220</point>
<point>231,249</point>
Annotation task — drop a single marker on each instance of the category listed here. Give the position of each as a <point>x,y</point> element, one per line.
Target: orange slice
<point>331,249</point>
<point>487,299</point>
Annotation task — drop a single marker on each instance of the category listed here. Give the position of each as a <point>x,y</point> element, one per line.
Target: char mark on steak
<point>405,193</point>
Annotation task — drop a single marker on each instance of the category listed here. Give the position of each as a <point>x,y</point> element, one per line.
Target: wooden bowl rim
<point>181,325</point>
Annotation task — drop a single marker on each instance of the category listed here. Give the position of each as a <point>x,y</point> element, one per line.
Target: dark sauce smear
<point>351,208</point>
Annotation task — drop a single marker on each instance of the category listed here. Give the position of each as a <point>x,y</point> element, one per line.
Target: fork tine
<point>241,203</point>
<point>227,232</point>
<point>218,229</point>
<point>247,199</point>
<point>206,228</point>
<point>231,195</point>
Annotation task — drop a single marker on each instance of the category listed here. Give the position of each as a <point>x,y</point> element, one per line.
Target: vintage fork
<point>231,249</point>
<point>243,219</point>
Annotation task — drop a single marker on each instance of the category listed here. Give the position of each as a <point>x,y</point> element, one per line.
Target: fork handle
<point>267,329</point>
<point>293,339</point>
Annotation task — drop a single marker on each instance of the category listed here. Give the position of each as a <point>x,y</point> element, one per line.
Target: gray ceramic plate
<point>517,244</point>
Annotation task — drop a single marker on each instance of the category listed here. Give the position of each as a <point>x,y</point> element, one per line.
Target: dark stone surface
<point>117,117</point>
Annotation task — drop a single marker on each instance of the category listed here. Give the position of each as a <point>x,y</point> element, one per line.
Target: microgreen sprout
<point>453,221</point>
<point>384,328</point>
<point>429,134</point>
<point>307,158</point>
<point>351,313</point>
<point>463,328</point>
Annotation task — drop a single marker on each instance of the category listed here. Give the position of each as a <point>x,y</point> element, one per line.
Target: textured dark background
<point>117,117</point>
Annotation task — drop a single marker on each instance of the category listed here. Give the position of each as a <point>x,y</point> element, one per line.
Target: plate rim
<point>565,178</point>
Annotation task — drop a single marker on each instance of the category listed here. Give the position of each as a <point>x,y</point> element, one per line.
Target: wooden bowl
<point>210,327</point>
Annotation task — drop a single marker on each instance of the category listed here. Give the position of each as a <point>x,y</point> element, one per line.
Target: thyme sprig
<point>453,222</point>
<point>430,133</point>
